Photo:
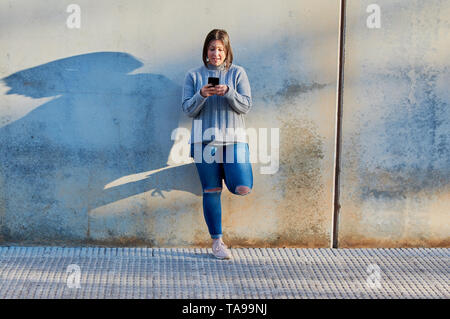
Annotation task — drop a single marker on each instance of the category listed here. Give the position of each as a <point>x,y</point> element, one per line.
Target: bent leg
<point>238,174</point>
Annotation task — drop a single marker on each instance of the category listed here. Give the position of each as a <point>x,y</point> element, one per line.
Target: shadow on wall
<point>103,124</point>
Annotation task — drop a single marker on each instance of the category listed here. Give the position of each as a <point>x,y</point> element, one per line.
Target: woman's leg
<point>238,173</point>
<point>211,175</point>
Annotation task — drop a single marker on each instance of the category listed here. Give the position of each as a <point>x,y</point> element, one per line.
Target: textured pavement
<point>91,272</point>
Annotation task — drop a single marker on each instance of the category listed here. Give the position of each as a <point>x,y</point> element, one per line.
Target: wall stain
<point>302,204</point>
<point>396,162</point>
<point>291,90</point>
<point>357,241</point>
<point>407,149</point>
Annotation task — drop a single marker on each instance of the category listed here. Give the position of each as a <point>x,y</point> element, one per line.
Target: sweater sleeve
<point>192,102</point>
<point>241,98</point>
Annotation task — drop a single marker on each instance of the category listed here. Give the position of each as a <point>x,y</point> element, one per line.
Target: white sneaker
<point>220,250</point>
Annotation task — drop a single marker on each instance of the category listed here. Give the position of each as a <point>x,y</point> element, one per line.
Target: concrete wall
<point>87,116</point>
<point>395,189</point>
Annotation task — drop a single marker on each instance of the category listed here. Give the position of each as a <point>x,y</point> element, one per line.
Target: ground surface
<point>57,272</point>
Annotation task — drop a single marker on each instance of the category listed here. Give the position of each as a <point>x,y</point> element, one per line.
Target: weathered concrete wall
<point>86,117</point>
<point>395,189</point>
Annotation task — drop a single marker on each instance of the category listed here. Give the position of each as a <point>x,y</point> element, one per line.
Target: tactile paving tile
<point>42,272</point>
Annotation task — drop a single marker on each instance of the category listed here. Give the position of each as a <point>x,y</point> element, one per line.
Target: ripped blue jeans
<point>235,168</point>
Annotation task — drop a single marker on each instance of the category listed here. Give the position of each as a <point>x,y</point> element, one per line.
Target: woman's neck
<point>216,67</point>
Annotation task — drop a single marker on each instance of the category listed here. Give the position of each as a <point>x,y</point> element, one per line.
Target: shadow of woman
<point>102,125</point>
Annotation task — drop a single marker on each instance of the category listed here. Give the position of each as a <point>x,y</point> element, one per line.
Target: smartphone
<point>213,80</point>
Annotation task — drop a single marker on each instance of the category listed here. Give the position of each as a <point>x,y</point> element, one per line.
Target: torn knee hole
<point>213,190</point>
<point>242,190</point>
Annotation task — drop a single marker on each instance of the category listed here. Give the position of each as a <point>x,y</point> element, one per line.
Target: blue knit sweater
<point>222,115</point>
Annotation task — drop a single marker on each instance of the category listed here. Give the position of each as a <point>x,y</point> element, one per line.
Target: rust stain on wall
<point>302,207</point>
<point>356,241</point>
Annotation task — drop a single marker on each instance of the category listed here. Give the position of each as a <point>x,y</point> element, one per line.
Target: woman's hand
<point>207,90</point>
<point>221,89</point>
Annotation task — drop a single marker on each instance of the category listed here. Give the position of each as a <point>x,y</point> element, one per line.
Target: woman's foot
<point>220,250</point>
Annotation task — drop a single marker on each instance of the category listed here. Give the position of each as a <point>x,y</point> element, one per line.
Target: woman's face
<point>216,52</point>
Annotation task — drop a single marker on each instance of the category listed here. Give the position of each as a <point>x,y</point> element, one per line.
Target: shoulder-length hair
<point>219,34</point>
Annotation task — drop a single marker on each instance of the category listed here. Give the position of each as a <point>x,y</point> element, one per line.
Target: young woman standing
<point>218,130</point>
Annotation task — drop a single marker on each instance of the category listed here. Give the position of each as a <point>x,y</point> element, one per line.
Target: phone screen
<point>213,80</point>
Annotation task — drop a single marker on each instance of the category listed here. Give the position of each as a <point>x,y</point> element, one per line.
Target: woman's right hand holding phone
<point>207,90</point>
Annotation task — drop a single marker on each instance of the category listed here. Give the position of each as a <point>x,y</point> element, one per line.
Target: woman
<point>219,130</point>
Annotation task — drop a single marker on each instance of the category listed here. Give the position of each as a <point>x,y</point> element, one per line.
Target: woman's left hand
<point>221,89</point>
